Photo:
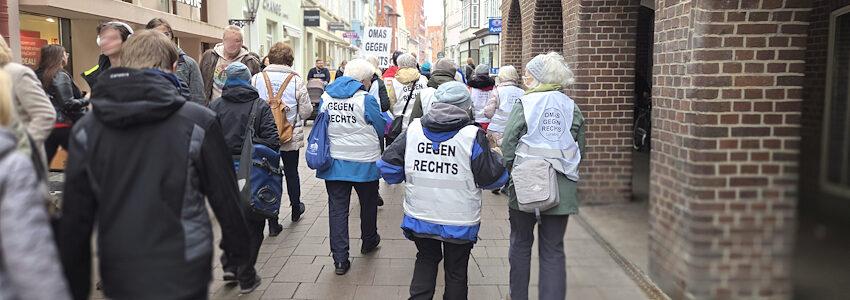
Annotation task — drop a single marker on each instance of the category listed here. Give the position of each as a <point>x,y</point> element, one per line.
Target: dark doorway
<point>643,104</point>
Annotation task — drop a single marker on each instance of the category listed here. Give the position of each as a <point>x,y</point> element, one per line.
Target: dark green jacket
<point>515,129</point>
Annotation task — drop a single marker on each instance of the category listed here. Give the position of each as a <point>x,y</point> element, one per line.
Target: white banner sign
<point>377,42</point>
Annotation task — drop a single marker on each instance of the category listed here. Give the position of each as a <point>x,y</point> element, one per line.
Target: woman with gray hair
<point>546,125</point>
<point>501,103</point>
<point>406,85</point>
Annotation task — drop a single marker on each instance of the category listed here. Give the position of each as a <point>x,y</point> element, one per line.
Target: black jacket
<point>339,73</point>
<point>91,76</point>
<point>234,110</point>
<point>469,71</point>
<point>140,166</point>
<point>324,74</point>
<point>483,82</point>
<point>382,92</point>
<point>66,97</point>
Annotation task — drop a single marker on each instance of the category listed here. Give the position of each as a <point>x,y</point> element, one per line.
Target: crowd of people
<point>160,136</point>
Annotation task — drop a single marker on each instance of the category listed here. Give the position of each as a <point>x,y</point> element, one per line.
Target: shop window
<point>835,161</point>
<point>38,31</point>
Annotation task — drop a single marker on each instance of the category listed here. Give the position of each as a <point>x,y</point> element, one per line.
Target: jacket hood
<point>439,77</point>
<point>239,93</point>
<point>391,72</point>
<point>180,51</point>
<point>219,49</point>
<point>444,117</point>
<point>344,87</point>
<point>483,82</point>
<point>128,97</point>
<point>7,141</point>
<point>407,75</point>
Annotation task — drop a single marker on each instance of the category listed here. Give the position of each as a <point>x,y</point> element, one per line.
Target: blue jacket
<point>342,170</point>
<point>441,123</point>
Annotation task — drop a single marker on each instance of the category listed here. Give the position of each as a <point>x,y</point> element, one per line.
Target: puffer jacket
<point>234,112</point>
<point>305,107</point>
<point>66,98</point>
<point>29,262</point>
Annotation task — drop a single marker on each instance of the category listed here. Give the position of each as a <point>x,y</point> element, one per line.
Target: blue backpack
<point>264,177</point>
<point>318,152</point>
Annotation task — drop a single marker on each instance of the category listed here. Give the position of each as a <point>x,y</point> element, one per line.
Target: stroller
<point>315,88</point>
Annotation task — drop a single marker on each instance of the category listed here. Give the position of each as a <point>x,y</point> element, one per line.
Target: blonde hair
<point>149,49</point>
<point>233,29</point>
<point>508,73</point>
<point>555,71</point>
<point>5,52</point>
<point>5,99</point>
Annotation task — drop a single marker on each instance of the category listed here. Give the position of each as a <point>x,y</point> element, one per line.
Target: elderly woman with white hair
<point>354,129</point>
<point>406,85</point>
<point>501,103</point>
<point>545,129</point>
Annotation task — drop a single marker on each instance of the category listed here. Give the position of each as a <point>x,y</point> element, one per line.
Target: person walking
<point>215,60</point>
<point>481,85</point>
<point>67,100</point>
<point>341,70</point>
<point>469,70</point>
<point>378,88</point>
<point>30,267</point>
<point>445,161</point>
<point>389,74</point>
<point>154,236</point>
<point>499,107</point>
<point>560,143</point>
<point>319,72</point>
<point>297,108</point>
<point>407,84</point>
<point>353,131</point>
<point>234,114</point>
<point>444,71</point>
<point>111,37</point>
<point>188,70</point>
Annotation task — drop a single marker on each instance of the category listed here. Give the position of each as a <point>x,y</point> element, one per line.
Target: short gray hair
<point>359,69</point>
<point>508,73</point>
<point>406,60</point>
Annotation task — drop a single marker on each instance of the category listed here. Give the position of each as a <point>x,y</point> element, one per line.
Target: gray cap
<point>454,93</point>
<point>482,69</point>
<point>444,64</point>
<point>238,70</point>
<point>406,61</point>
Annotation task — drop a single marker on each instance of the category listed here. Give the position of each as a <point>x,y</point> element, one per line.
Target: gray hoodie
<point>30,267</point>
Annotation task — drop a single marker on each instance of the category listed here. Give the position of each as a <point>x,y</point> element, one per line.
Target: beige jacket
<point>34,108</point>
<point>305,107</point>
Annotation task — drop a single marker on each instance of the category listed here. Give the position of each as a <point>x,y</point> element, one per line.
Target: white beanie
<point>535,67</point>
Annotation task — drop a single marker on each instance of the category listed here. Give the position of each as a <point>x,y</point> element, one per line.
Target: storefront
<point>488,52</point>
<point>38,31</point>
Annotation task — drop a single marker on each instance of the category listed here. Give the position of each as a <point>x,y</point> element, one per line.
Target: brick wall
<point>727,98</point>
<point>511,41</point>
<point>599,44</point>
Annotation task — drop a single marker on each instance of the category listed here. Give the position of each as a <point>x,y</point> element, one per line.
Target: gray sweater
<point>29,263</point>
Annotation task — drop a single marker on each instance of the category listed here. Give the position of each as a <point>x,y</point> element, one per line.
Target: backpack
<point>279,108</point>
<point>536,185</point>
<point>318,153</point>
<point>264,176</point>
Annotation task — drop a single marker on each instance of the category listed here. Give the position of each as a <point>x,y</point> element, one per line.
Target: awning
<point>327,36</point>
<point>291,30</point>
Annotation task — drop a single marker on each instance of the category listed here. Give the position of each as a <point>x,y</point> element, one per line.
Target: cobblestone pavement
<point>297,263</point>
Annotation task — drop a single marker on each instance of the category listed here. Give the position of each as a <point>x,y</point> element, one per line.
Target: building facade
<point>435,38</point>
<point>388,13</point>
<point>326,43</point>
<point>414,19</point>
<point>476,41</point>
<point>749,127</point>
<point>281,21</point>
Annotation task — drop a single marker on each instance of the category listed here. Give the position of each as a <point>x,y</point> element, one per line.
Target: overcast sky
<point>433,12</point>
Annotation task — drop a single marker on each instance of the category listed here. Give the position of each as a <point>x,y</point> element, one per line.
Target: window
<point>466,14</point>
<point>473,22</point>
<point>835,161</point>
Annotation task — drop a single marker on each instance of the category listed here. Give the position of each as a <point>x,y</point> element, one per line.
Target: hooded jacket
<point>341,170</point>
<point>210,59</point>
<point>140,166</point>
<point>189,72</point>
<point>390,72</point>
<point>30,268</point>
<point>234,113</point>
<point>405,77</point>
<point>440,124</point>
<point>305,106</point>
<point>438,77</point>
<point>91,76</point>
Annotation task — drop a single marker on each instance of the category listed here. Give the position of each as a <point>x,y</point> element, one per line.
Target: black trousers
<point>256,225</point>
<point>339,200</point>
<point>293,182</point>
<point>58,137</point>
<point>428,258</point>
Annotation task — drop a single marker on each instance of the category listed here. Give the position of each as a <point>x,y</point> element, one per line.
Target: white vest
<point>508,96</point>
<point>375,91</point>
<point>288,97</point>
<point>402,95</point>
<point>549,116</point>
<point>426,97</point>
<point>352,139</point>
<point>479,101</point>
<point>439,185</point>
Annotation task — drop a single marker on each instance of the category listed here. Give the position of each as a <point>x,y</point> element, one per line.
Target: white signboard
<point>377,42</point>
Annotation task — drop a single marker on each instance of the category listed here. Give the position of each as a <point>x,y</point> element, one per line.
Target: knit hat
<point>238,70</point>
<point>535,67</point>
<point>454,93</point>
<point>444,64</point>
<point>482,69</point>
<point>426,67</point>
<point>395,57</point>
<point>406,61</point>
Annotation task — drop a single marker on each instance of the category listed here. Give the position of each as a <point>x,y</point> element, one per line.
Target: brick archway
<point>512,35</point>
<point>542,28</point>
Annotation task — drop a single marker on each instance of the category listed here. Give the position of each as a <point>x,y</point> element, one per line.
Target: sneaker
<point>229,276</point>
<point>250,287</point>
<point>369,247</point>
<point>275,230</point>
<point>296,215</point>
<point>380,201</point>
<point>342,267</point>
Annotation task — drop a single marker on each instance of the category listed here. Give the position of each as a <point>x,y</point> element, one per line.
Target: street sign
<point>350,35</point>
<point>311,18</point>
<point>496,25</point>
<point>336,26</point>
<point>376,42</point>
<point>441,54</point>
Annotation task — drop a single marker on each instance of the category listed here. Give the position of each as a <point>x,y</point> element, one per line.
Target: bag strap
<point>268,85</point>
<point>246,156</point>
<point>283,87</point>
<point>412,86</point>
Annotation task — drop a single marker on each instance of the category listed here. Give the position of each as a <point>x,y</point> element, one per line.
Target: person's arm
<point>207,68</point>
<point>492,104</point>
<point>266,127</point>
<point>35,104</point>
<point>64,89</point>
<point>30,260</point>
<point>488,167</point>
<point>514,129</point>
<point>577,129</point>
<point>327,75</point>
<point>391,164</point>
<point>373,115</point>
<point>385,98</point>
<point>195,81</point>
<point>218,183</point>
<point>79,210</point>
<point>305,106</point>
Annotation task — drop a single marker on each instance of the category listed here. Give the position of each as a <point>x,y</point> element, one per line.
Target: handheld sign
<point>376,42</point>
